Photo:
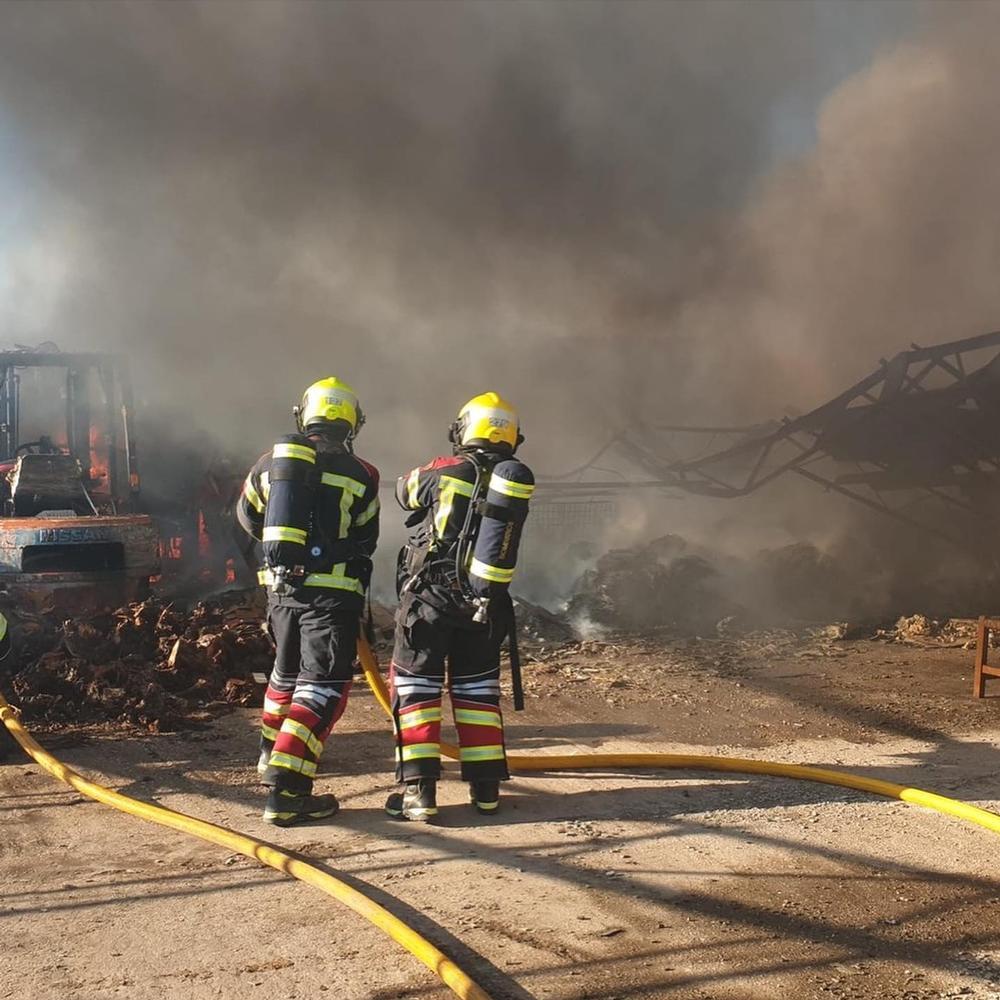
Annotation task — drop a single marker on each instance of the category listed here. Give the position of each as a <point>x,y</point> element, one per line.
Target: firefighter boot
<point>485,796</point>
<point>417,801</point>
<point>286,808</point>
<point>265,756</point>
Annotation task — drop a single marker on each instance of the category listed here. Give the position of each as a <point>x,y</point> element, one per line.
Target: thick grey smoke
<point>601,209</point>
<point>427,198</point>
<point>882,235</point>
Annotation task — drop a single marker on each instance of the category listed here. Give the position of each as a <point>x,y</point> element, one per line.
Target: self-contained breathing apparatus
<point>295,541</point>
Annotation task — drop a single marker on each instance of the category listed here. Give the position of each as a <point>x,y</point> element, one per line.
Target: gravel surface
<point>599,886</point>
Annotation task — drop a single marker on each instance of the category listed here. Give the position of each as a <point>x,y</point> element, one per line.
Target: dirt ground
<point>600,886</point>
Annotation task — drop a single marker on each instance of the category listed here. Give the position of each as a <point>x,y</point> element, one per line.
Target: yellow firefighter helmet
<point>487,421</point>
<point>329,400</point>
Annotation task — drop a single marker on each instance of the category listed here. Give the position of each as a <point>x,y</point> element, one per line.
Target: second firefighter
<point>467,511</point>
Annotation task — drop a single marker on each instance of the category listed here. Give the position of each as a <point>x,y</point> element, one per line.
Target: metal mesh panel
<point>582,517</point>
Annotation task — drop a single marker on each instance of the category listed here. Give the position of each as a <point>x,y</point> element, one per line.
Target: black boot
<point>417,801</point>
<point>485,796</point>
<point>286,808</point>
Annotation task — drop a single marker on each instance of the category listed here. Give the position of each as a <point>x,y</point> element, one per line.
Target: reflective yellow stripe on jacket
<point>253,497</point>
<point>344,482</point>
<point>413,489</point>
<point>367,514</point>
<point>495,574</point>
<point>448,487</point>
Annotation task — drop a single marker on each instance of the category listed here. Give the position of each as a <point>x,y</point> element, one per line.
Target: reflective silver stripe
<point>299,451</point>
<point>265,484</point>
<point>367,514</point>
<point>495,574</point>
<point>509,488</point>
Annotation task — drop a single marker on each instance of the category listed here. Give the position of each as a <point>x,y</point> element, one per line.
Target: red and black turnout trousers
<point>467,654</point>
<point>308,688</point>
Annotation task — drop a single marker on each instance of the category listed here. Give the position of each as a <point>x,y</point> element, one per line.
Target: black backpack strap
<point>516,682</point>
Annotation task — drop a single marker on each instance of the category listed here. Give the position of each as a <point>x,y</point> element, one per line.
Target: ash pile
<point>153,665</point>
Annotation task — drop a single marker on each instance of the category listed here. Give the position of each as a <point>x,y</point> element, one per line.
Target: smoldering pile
<point>673,584</point>
<point>664,582</point>
<point>151,665</point>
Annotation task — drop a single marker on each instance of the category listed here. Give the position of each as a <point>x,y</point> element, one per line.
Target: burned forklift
<point>71,534</point>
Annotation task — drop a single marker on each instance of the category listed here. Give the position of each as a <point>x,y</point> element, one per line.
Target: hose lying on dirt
<point>522,764</point>
<point>450,974</point>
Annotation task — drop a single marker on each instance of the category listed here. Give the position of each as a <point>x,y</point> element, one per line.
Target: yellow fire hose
<point>521,764</point>
<point>450,974</point>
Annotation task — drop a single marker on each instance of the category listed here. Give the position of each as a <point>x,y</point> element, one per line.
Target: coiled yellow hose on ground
<point>450,974</point>
<point>522,764</point>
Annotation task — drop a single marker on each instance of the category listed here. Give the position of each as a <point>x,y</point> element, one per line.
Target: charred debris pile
<point>152,665</point>
<point>674,586</point>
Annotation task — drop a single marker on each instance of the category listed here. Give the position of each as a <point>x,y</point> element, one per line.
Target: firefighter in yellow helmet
<point>313,505</point>
<point>466,513</point>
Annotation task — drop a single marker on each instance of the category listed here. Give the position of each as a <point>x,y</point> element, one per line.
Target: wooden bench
<point>983,669</point>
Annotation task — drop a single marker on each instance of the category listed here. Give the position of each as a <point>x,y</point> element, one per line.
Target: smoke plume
<point>685,212</point>
<point>426,198</point>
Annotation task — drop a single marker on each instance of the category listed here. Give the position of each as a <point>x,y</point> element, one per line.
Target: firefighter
<point>466,515</point>
<point>313,505</point>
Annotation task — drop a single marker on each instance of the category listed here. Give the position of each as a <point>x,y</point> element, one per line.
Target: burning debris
<point>150,665</point>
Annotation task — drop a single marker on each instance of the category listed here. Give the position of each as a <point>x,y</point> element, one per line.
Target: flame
<point>204,541</point>
<point>172,548</point>
<point>98,472</point>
